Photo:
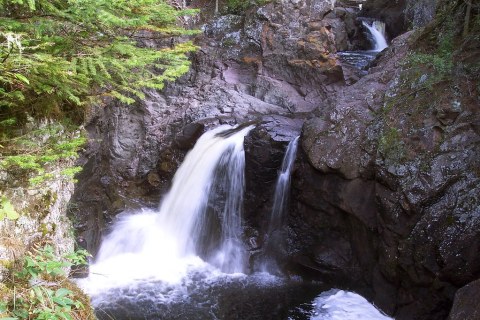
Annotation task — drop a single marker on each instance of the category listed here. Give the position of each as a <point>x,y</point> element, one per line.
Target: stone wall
<point>43,218</point>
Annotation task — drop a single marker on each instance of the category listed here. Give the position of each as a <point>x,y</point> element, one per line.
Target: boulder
<point>465,305</point>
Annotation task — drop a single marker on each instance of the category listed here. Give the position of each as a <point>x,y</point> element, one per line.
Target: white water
<point>377,30</point>
<point>230,256</point>
<point>343,305</point>
<point>282,188</point>
<point>161,245</point>
<point>274,239</point>
<point>150,260</point>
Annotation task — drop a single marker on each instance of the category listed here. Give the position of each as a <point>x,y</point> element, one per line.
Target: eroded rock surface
<point>396,183</point>
<point>275,64</point>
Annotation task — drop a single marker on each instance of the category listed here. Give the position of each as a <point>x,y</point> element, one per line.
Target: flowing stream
<point>361,59</point>
<point>187,260</point>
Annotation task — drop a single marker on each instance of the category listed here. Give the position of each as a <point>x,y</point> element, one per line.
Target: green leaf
<point>31,4</point>
<point>39,294</point>
<point>22,78</point>
<point>7,210</point>
<point>62,292</point>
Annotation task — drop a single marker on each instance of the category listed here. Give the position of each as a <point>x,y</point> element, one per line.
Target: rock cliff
<point>384,192</point>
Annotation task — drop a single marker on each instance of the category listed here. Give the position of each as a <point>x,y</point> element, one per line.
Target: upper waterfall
<point>377,30</point>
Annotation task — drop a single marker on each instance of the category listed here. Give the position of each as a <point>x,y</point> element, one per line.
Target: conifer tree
<point>59,55</point>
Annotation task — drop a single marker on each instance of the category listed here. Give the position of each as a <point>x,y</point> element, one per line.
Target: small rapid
<point>361,59</point>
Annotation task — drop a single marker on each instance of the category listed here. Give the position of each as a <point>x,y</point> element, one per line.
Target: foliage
<point>39,288</point>
<point>43,262</point>
<point>7,210</point>
<point>34,154</point>
<point>439,61</point>
<point>56,56</point>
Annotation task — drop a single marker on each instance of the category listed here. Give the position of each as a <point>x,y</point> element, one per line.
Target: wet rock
<point>189,135</point>
<point>415,161</point>
<point>265,148</point>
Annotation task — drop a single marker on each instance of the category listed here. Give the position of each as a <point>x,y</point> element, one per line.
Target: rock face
<point>393,196</point>
<point>385,188</point>
<point>42,218</point>
<point>465,305</point>
<point>275,64</point>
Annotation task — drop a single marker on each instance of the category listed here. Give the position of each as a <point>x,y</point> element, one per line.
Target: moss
<point>391,145</point>
<point>228,42</point>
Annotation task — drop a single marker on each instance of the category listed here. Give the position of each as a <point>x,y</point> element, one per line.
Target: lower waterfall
<point>187,260</point>
<point>163,244</point>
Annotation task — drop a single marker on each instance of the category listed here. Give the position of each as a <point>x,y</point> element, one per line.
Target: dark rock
<point>265,148</point>
<point>189,135</point>
<point>415,160</point>
<point>420,13</point>
<point>465,305</point>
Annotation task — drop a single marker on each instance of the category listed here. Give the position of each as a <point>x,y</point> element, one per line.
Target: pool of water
<point>202,296</point>
<point>358,59</point>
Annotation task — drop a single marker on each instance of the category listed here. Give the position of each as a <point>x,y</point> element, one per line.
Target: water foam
<point>160,245</point>
<point>344,305</point>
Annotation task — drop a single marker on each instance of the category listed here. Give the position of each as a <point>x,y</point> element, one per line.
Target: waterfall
<point>226,206</point>
<point>163,244</point>
<point>274,236</point>
<point>377,30</point>
<point>282,188</point>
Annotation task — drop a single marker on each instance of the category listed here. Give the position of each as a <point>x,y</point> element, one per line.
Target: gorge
<point>382,197</point>
<point>319,160</point>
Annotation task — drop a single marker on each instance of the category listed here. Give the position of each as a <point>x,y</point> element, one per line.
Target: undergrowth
<point>38,288</point>
<point>34,157</point>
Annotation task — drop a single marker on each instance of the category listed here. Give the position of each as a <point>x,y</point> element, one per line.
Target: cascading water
<point>163,245</point>
<point>282,187</point>
<point>228,252</point>
<point>377,30</point>
<point>152,265</point>
<point>361,59</point>
<point>275,236</point>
